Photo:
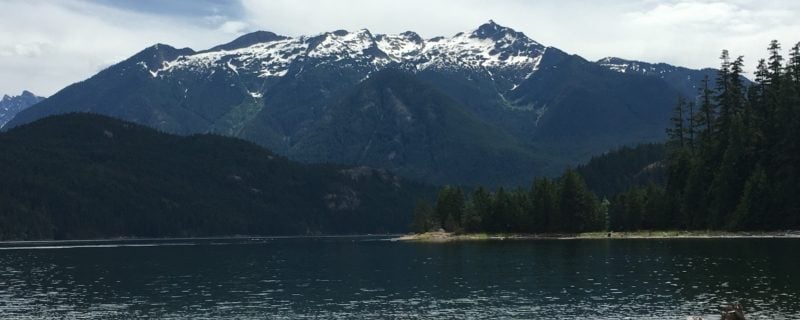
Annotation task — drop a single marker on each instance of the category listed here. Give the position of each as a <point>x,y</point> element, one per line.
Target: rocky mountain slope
<point>491,97</point>
<point>10,106</point>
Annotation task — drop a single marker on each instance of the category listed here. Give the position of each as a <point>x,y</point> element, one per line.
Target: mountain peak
<point>163,49</point>
<point>492,30</point>
<point>614,60</point>
<point>412,36</point>
<point>249,39</point>
<point>406,36</point>
<point>340,33</point>
<point>154,56</point>
<point>341,44</point>
<point>362,33</point>
<point>11,105</point>
<point>491,24</point>
<point>24,94</point>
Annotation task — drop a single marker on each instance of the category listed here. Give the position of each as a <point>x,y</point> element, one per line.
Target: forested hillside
<point>81,176</point>
<point>618,170</point>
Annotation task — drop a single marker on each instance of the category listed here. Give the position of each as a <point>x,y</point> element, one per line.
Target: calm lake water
<point>370,278</point>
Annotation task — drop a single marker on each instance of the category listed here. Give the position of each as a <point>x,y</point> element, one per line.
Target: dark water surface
<point>369,278</point>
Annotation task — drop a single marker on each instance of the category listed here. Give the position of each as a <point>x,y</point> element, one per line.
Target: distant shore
<point>450,237</point>
<point>133,239</point>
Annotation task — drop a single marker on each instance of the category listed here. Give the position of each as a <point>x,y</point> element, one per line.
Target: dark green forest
<point>550,205</point>
<point>730,163</point>
<point>614,172</point>
<point>82,176</point>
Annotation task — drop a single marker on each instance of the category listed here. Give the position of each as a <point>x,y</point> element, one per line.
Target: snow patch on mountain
<point>406,46</point>
<point>630,66</point>
<point>268,59</point>
<point>343,45</point>
<point>507,56</point>
<point>470,49</point>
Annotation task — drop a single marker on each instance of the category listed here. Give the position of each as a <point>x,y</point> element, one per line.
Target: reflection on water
<point>364,278</point>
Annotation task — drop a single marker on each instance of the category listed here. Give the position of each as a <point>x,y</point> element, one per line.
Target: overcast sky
<point>46,45</point>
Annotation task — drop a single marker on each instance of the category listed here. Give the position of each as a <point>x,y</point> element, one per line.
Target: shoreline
<point>435,237</point>
<point>6,243</point>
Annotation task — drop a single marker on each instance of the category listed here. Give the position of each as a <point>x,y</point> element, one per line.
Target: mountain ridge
<point>278,91</point>
<point>11,105</point>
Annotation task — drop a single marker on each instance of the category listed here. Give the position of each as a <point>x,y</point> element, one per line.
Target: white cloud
<point>46,45</point>
<point>233,27</point>
<point>692,33</point>
<point>31,49</point>
<point>705,15</point>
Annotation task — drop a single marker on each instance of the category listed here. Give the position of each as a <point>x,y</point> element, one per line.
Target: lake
<point>371,278</point>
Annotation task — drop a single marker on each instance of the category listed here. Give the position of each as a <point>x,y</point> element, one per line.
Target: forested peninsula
<point>730,163</point>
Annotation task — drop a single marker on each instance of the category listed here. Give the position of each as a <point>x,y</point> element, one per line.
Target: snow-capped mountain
<point>506,105</point>
<point>489,49</point>
<point>10,106</point>
<point>684,79</point>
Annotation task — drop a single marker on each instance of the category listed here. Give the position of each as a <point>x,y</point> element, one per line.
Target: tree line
<point>732,158</point>
<point>550,205</point>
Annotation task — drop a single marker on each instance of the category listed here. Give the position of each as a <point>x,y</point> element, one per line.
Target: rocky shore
<point>441,236</point>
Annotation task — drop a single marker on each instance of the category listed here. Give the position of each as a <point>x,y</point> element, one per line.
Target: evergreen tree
<point>690,127</point>
<point>725,104</point>
<point>545,205</point>
<point>736,87</point>
<point>679,175</point>
<point>523,211</point>
<point>423,220</point>
<point>692,211</point>
<point>757,113</point>
<point>676,133</point>
<point>577,205</point>
<point>761,74</point>
<point>616,212</point>
<point>449,206</point>
<point>458,205</point>
<point>451,224</point>
<point>775,63</point>
<point>706,113</point>
<point>723,77</point>
<point>654,213</point>
<point>501,211</point>
<point>754,203</point>
<point>774,100</point>
<point>481,203</point>
<point>794,65</point>
<point>634,213</point>
<point>729,180</point>
<point>639,209</point>
<point>471,220</point>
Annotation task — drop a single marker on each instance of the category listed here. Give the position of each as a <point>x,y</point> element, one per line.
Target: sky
<point>46,45</point>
